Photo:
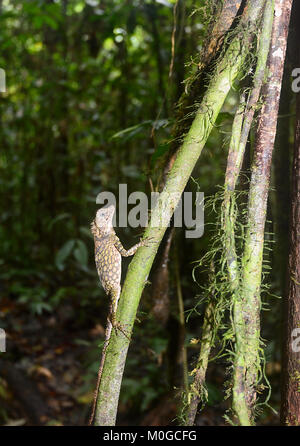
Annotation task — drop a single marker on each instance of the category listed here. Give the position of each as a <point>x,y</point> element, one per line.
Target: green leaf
<point>39,307</point>
<point>63,253</point>
<point>158,123</point>
<point>131,131</point>
<point>58,218</point>
<point>81,253</point>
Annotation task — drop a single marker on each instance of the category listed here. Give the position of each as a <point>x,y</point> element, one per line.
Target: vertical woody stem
<point>257,203</point>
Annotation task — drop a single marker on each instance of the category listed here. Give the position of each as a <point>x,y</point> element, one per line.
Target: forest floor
<point>49,369</point>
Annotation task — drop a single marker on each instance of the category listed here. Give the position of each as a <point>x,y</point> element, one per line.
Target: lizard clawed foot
<point>117,326</point>
<point>148,241</point>
<point>121,328</point>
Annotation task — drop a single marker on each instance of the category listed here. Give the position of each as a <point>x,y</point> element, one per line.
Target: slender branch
<point>198,392</point>
<point>236,152</point>
<point>235,156</point>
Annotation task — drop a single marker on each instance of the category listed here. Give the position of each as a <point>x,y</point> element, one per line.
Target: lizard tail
<point>111,321</point>
<point>107,338</point>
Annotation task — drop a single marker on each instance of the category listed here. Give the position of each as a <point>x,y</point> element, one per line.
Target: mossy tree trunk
<point>248,360</point>
<point>240,132</point>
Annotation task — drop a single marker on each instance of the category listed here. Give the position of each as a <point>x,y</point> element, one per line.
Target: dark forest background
<point>90,102</point>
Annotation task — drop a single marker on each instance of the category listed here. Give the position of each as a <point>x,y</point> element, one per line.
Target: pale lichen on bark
<point>257,202</point>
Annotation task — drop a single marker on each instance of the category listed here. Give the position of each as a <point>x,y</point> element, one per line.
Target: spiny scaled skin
<point>108,252</point>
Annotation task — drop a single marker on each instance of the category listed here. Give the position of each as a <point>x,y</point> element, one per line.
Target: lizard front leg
<point>128,252</point>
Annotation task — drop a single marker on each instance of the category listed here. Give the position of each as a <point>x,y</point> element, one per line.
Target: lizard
<point>108,256</point>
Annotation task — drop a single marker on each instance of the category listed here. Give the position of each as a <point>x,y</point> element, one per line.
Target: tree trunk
<point>249,363</point>
<point>290,406</point>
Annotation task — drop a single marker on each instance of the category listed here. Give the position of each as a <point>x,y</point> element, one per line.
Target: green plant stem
<point>235,155</point>
<point>240,131</point>
<point>198,392</point>
<point>251,274</point>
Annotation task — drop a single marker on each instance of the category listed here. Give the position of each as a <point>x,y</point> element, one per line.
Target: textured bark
<point>290,407</point>
<point>235,156</point>
<point>257,203</point>
<point>225,17</point>
<point>218,31</point>
<point>228,68</point>
<point>241,127</point>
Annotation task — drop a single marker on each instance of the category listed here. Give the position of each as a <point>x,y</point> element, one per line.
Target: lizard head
<point>104,218</point>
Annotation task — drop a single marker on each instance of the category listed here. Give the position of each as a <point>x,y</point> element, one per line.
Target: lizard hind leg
<point>115,295</point>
